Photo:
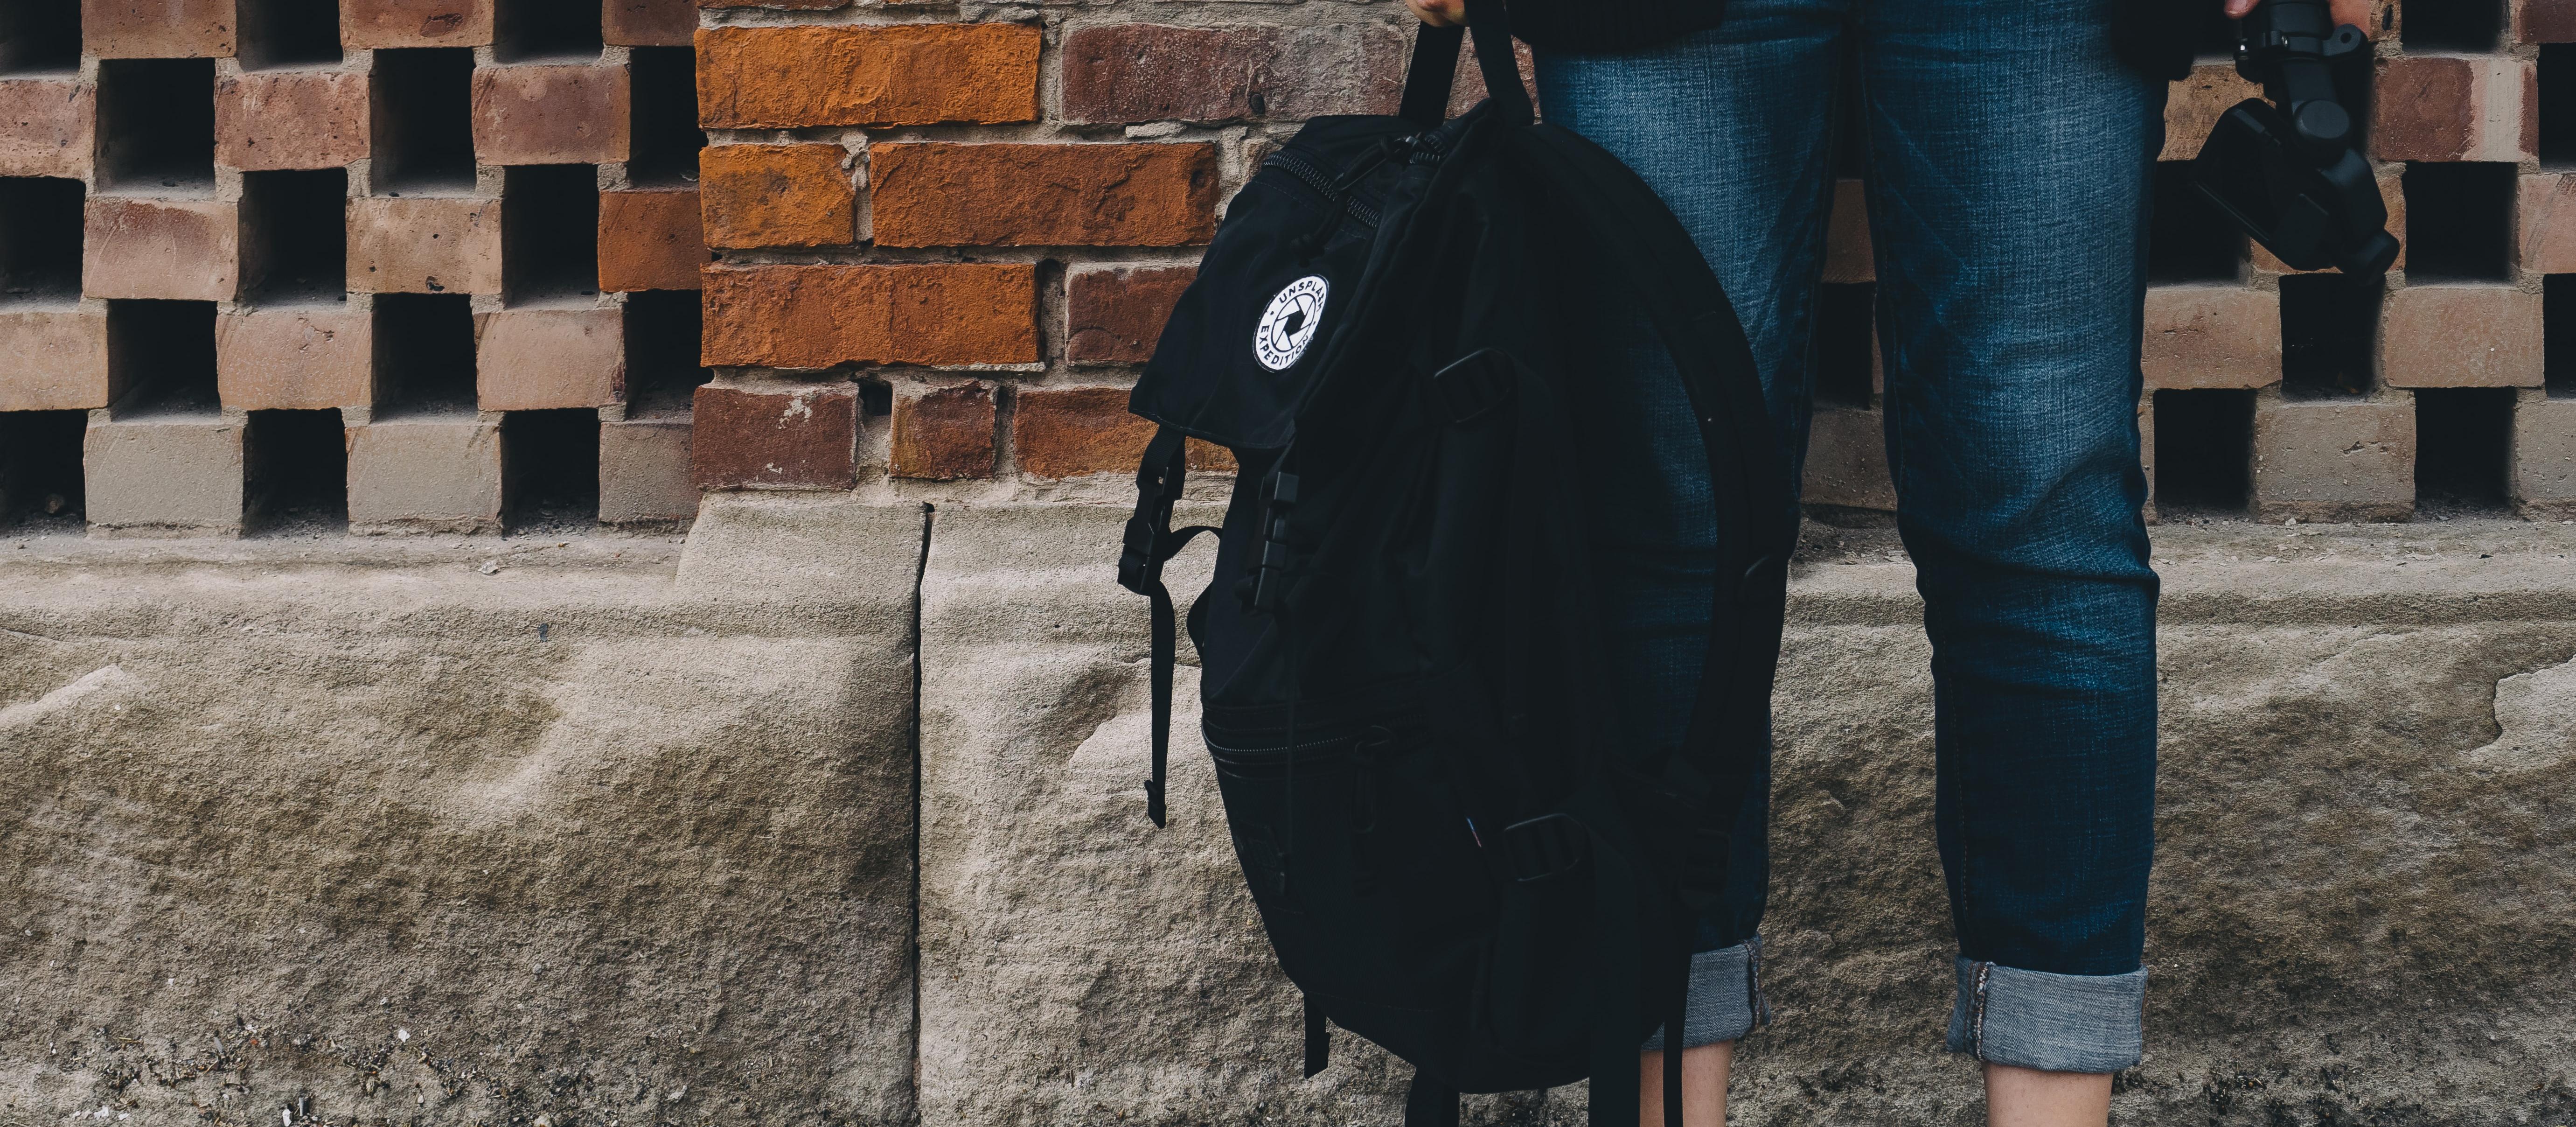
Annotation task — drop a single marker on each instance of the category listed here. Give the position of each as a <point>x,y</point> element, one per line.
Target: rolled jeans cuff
<point>2051,1022</point>
<point>1725,997</point>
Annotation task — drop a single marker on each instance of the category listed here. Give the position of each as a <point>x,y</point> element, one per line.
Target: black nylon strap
<point>1676,1021</point>
<point>1430,1103</point>
<point>1434,70</point>
<point>1501,64</point>
<point>1615,931</point>
<point>1151,543</point>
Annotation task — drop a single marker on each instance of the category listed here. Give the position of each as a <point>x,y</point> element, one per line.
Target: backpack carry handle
<point>1435,67</point>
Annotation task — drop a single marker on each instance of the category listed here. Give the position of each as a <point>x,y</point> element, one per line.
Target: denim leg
<point>2010,155</point>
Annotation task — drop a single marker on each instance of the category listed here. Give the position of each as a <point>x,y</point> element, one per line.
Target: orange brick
<point>45,126</point>
<point>295,358</point>
<point>551,113</point>
<point>942,194</point>
<point>649,240</point>
<point>777,196</point>
<point>2461,336</point>
<point>178,250</point>
<point>372,24</point>
<point>425,244</point>
<point>819,316</point>
<point>536,359</point>
<point>2451,108</point>
<point>156,29</point>
<point>290,119</point>
<point>1117,315</point>
<point>945,434</point>
<point>907,74</point>
<point>1069,432</point>
<point>2194,105</point>
<point>648,23</point>
<point>2212,336</point>
<point>53,360</point>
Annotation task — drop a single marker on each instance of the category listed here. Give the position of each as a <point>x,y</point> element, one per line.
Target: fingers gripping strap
<point>1151,542</point>
<point>1434,70</point>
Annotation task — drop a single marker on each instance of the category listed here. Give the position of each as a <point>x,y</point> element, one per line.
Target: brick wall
<point>458,236</point>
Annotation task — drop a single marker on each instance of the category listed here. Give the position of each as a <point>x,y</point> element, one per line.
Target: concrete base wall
<point>624,831</point>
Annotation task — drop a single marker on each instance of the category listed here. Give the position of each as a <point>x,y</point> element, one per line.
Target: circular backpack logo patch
<point>1288,326</point>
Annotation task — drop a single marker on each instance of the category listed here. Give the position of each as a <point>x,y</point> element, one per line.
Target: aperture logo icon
<point>1288,326</point>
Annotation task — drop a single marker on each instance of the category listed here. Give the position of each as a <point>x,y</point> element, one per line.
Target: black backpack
<point>1401,667</point>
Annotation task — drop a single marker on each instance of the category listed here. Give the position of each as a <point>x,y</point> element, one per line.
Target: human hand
<point>1439,13</point>
<point>2354,12</point>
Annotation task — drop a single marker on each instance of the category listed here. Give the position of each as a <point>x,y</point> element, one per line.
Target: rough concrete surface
<point>267,807</point>
<point>429,831</point>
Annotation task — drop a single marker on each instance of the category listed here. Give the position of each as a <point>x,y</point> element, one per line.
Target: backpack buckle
<point>1474,384</point>
<point>1542,847</point>
<point>1136,558</point>
<point>1270,569</point>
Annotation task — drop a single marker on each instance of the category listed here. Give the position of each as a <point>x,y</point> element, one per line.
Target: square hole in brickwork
<point>2557,109</point>
<point>666,136</point>
<point>544,29</point>
<point>298,471</point>
<point>163,352</point>
<point>2204,452</point>
<point>663,335</point>
<point>40,240</point>
<point>423,120</point>
<point>2558,334</point>
<point>156,124</point>
<point>2452,25</point>
<point>1846,314</point>
<point>39,37</point>
<point>550,467</point>
<point>424,353</point>
<point>2190,240</point>
<point>2459,221</point>
<point>40,469</point>
<point>288,33</point>
<point>2329,324</point>
<point>295,244</point>
<point>2463,438</point>
<point>550,233</point>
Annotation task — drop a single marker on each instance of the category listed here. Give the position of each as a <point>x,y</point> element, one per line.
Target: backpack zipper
<point>1322,182</point>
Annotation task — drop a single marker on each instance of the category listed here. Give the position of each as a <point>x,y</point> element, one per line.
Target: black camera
<point>2288,170</point>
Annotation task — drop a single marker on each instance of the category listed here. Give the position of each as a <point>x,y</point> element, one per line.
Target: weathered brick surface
<point>1154,72</point>
<point>551,113</point>
<point>2212,336</point>
<point>425,244</point>
<point>371,24</point>
<point>2546,225</point>
<point>650,240</point>
<point>180,250</point>
<point>802,436</point>
<point>944,194</point>
<point>911,74</point>
<point>649,23</point>
<point>295,358</point>
<point>2454,108</point>
<point>2194,105</point>
<point>1115,315</point>
<point>537,359</point>
<point>2545,21</point>
<point>2461,336</point>
<point>819,316</point>
<point>2334,461</point>
<point>777,196</point>
<point>425,473</point>
<point>644,471</point>
<point>2544,457</point>
<point>45,127</point>
<point>944,434</point>
<point>291,119</point>
<point>53,359</point>
<point>164,475</point>
<point>1068,432</point>
<point>156,29</point>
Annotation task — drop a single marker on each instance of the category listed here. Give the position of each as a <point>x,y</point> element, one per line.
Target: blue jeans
<point>2010,158</point>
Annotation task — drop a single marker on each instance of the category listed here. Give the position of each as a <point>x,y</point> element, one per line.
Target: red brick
<point>53,360</point>
<point>1069,432</point>
<point>787,5</point>
<point>2212,336</point>
<point>1152,72</point>
<point>940,194</point>
<point>907,74</point>
<point>155,29</point>
<point>538,359</point>
<point>425,244</point>
<point>1847,246</point>
<point>295,358</point>
<point>777,196</point>
<point>180,250</point>
<point>802,436</point>
<point>2451,108</point>
<point>291,119</point>
<point>2545,21</point>
<point>2547,226</point>
<point>2461,336</point>
<point>371,24</point>
<point>551,113</point>
<point>2195,104</point>
<point>819,316</point>
<point>944,434</point>
<point>648,23</point>
<point>45,126</point>
<point>650,240</point>
<point>1117,315</point>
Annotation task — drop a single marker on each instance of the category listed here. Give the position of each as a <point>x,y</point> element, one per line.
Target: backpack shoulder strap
<point>1151,542</point>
